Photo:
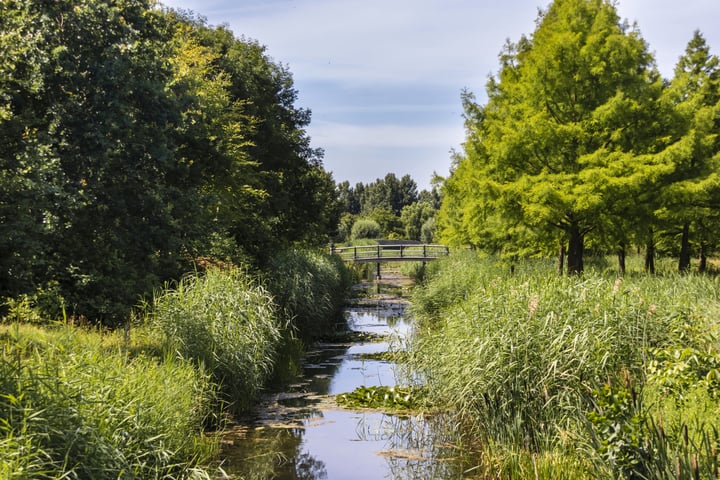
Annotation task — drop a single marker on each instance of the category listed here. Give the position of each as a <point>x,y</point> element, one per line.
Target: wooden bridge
<point>391,253</point>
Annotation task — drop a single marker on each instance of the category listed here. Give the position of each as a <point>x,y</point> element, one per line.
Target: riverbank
<point>139,402</point>
<point>588,376</point>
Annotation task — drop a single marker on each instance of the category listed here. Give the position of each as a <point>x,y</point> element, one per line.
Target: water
<point>301,433</point>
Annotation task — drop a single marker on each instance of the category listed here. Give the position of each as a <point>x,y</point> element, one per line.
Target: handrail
<point>387,253</point>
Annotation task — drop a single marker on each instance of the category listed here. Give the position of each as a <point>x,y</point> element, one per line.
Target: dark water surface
<point>302,433</point>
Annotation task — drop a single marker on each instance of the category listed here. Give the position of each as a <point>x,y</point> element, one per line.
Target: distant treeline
<point>136,140</point>
<point>388,207</point>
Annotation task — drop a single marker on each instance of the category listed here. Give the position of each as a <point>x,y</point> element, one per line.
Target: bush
<point>225,322</point>
<point>365,228</point>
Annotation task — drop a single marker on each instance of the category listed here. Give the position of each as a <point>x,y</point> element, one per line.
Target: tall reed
<point>227,322</point>
<point>72,407</point>
<point>310,287</point>
<point>519,356</point>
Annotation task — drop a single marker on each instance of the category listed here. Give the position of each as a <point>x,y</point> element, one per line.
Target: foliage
<point>227,324</point>
<point>74,404</point>
<point>136,139</point>
<point>390,398</point>
<point>542,364</point>
<point>310,289</point>
<point>365,228</point>
<point>572,143</point>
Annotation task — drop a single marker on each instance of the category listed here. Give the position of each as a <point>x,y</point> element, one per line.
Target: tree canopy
<point>134,140</point>
<point>575,143</point>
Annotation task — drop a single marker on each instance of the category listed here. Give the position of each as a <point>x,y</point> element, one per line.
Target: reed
<point>310,288</point>
<point>227,323</point>
<point>519,358</point>
<point>73,405</point>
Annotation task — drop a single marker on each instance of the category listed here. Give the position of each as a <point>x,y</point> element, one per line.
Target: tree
<point>690,202</point>
<point>566,122</point>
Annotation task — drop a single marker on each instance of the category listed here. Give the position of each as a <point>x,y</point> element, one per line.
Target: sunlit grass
<point>521,358</point>
<point>77,403</point>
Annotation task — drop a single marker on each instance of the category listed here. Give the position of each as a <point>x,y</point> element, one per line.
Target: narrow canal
<point>302,433</point>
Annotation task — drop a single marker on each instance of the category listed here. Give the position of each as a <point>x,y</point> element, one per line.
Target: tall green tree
<point>564,130</point>
<point>689,204</point>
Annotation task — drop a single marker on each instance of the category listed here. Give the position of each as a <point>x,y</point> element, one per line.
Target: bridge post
<point>378,270</point>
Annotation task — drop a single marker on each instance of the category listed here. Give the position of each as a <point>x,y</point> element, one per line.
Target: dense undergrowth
<point>591,376</point>
<point>135,403</point>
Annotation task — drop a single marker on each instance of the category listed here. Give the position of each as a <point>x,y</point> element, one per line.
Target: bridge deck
<point>391,253</point>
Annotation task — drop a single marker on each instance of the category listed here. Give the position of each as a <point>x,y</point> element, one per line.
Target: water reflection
<point>302,434</point>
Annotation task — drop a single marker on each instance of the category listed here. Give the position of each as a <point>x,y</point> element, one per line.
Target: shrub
<point>365,228</point>
<point>225,322</point>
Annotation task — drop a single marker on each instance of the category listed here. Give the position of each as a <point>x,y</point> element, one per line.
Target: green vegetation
<point>137,141</point>
<point>582,144</point>
<point>593,375</point>
<point>135,403</point>
<point>384,398</point>
<point>225,323</point>
<point>395,205</point>
<point>85,404</point>
<point>310,288</point>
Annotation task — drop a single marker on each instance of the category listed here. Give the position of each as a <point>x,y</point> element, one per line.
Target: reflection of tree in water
<point>273,453</point>
<point>308,468</point>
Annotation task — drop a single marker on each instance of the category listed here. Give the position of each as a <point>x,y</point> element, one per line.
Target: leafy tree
<point>565,125</point>
<point>689,204</point>
<point>414,216</point>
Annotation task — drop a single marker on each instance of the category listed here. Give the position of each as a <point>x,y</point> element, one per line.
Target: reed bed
<point>539,367</point>
<point>228,324</point>
<point>310,288</point>
<point>78,404</point>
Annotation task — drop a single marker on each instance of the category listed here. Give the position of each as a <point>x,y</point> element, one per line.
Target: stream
<point>302,433</point>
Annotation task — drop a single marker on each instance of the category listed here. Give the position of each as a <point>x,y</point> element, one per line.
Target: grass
<point>227,324</point>
<point>537,366</point>
<point>78,404</point>
<point>310,288</point>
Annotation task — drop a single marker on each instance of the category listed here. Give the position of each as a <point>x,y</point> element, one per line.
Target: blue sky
<point>383,78</point>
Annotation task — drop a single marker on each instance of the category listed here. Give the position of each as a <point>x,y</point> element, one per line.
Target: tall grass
<point>74,406</point>
<point>521,358</point>
<point>310,287</point>
<point>226,322</point>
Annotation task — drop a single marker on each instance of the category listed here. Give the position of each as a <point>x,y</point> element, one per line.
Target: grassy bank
<point>567,377</point>
<point>78,403</point>
<point>84,404</point>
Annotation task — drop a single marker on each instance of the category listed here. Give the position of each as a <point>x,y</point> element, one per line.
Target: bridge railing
<point>387,253</point>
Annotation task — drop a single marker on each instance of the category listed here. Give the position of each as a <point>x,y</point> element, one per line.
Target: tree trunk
<point>576,246</point>
<point>561,257</point>
<point>702,262</point>
<point>684,263</point>
<point>650,255</point>
<point>621,259</point>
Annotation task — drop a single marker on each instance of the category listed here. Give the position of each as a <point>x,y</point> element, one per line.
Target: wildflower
<point>616,287</point>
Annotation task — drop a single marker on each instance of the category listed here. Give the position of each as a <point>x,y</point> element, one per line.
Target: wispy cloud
<point>383,77</point>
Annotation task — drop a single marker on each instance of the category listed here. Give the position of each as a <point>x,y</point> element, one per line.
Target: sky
<point>383,78</point>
